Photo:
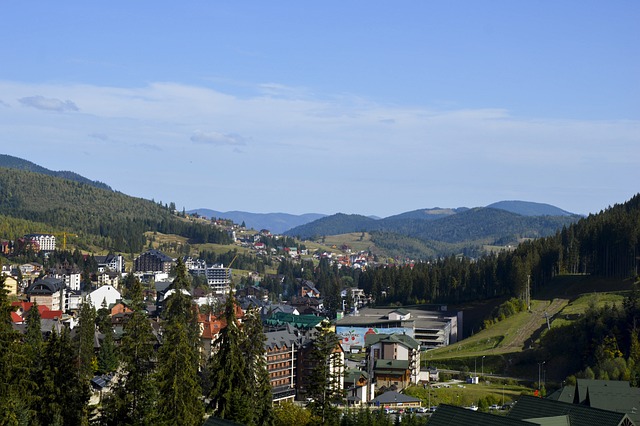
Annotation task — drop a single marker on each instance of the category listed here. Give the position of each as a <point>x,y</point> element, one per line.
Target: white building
<point>106,295</point>
<point>46,242</point>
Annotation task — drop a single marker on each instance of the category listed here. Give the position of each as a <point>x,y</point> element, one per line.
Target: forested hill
<point>528,208</point>
<point>11,162</point>
<point>475,226</point>
<point>604,245</point>
<point>101,217</point>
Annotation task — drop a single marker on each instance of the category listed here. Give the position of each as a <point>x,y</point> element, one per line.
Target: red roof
<point>24,306</point>
<point>16,318</point>
<point>50,314</point>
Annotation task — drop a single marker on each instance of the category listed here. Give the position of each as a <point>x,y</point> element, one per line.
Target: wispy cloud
<point>48,104</point>
<point>100,136</point>
<point>215,138</point>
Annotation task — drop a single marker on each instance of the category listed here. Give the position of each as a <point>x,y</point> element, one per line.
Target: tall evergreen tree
<point>9,368</point>
<point>326,377</point>
<point>64,391</point>
<point>228,369</point>
<point>33,349</point>
<point>252,346</point>
<point>133,399</point>
<point>179,390</point>
<point>86,341</point>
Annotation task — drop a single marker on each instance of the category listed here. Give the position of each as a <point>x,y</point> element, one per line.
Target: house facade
<point>394,359</point>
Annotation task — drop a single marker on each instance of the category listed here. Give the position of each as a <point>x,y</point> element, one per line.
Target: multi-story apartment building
<point>394,359</point>
<point>152,261</point>
<point>45,242</point>
<point>281,349</point>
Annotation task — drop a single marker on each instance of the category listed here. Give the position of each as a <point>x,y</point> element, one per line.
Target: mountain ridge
<point>11,162</point>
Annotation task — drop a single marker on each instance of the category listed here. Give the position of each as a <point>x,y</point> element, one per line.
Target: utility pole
<point>540,364</point>
<point>483,365</point>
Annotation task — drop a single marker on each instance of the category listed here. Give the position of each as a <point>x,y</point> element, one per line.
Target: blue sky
<point>365,107</point>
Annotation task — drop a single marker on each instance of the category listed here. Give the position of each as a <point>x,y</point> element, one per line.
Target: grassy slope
<point>568,297</point>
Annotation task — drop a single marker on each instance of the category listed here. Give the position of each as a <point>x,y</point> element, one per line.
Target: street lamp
<point>483,365</point>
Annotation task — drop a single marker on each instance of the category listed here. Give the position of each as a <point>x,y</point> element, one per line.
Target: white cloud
<point>443,153</point>
<point>215,138</point>
<point>48,104</point>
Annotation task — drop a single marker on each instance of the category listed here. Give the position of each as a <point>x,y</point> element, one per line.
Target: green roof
<point>448,415</point>
<point>391,364</point>
<point>400,338</point>
<point>529,407</point>
<point>298,321</point>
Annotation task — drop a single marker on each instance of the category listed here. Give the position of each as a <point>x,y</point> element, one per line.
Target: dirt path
<point>537,321</point>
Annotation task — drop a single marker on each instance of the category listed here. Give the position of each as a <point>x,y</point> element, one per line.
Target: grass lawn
<point>465,394</point>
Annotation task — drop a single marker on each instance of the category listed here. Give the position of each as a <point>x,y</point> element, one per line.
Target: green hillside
<point>102,218</point>
<point>438,232</point>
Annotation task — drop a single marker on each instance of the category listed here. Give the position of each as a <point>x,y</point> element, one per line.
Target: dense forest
<point>102,218</point>
<point>605,244</point>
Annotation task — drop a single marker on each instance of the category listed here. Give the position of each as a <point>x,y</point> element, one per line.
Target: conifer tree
<point>324,382</point>
<point>108,355</point>
<point>87,334</point>
<point>9,370</point>
<point>33,351</point>
<point>253,349</point>
<point>133,399</point>
<point>179,390</point>
<point>229,371</point>
<point>64,392</point>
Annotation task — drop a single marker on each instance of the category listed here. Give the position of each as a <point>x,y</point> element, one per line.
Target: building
<point>10,284</point>
<point>394,359</point>
<point>48,292</point>
<point>611,395</point>
<point>431,328</point>
<point>359,388</point>
<point>396,401</point>
<point>44,242</point>
<point>153,261</point>
<point>219,279</point>
<point>111,262</point>
<point>281,349</point>
<point>104,296</point>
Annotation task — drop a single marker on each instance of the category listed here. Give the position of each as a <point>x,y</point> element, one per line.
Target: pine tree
<point>9,369</point>
<point>108,355</point>
<point>253,349</point>
<point>33,350</point>
<point>133,399</point>
<point>178,358</point>
<point>229,371</point>
<point>325,380</point>
<point>87,335</point>
<point>64,392</point>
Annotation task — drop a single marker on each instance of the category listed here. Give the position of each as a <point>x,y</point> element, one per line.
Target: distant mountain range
<point>421,233</point>
<point>277,223</point>
<point>11,162</point>
<point>314,224</point>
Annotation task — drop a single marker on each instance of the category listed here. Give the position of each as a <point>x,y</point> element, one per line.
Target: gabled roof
<point>402,339</point>
<point>529,407</point>
<point>448,415</point>
<point>391,364</point>
<point>280,339</point>
<point>392,397</point>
